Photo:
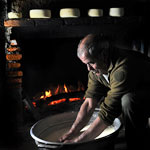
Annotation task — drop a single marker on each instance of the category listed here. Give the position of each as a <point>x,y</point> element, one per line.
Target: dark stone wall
<point>9,108</point>
<point>2,47</point>
<point>3,113</point>
<point>2,37</point>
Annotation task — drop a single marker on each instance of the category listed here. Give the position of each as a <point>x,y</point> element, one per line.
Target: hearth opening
<point>52,74</point>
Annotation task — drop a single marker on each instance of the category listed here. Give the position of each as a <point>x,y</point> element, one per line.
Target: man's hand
<point>67,136</point>
<point>91,133</point>
<point>85,113</point>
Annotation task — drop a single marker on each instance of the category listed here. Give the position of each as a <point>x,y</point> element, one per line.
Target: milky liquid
<point>107,131</point>
<point>54,136</point>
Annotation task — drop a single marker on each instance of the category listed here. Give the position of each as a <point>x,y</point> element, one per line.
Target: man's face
<point>92,64</point>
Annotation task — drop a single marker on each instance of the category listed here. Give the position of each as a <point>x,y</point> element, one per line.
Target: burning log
<point>61,94</point>
<point>61,89</point>
<point>59,99</point>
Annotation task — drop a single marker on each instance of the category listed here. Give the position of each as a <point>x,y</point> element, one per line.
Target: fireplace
<point>52,79</point>
<point>48,62</point>
<point>52,73</point>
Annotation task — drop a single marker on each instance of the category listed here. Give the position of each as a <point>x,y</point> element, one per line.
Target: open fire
<point>59,93</point>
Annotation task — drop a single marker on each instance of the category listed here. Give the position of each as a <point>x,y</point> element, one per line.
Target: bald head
<point>86,41</point>
<point>96,48</point>
<point>85,45</point>
<point>93,44</point>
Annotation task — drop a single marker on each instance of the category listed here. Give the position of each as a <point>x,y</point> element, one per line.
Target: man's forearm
<point>84,115</point>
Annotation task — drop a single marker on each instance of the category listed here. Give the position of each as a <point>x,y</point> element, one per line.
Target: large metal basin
<point>43,131</point>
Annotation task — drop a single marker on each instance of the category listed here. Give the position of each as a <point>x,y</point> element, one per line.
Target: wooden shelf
<point>70,21</point>
<point>71,27</point>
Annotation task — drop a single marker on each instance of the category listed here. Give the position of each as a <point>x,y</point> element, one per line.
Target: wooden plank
<point>63,31</point>
<point>18,23</point>
<point>69,21</point>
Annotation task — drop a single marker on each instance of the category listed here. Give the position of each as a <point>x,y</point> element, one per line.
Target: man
<point>122,77</point>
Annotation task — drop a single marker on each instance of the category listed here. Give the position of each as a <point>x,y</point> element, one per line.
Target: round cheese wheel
<point>13,15</point>
<point>69,12</point>
<point>95,12</point>
<point>40,13</point>
<point>116,12</point>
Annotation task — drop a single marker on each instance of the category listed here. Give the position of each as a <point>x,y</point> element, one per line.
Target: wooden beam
<point>69,21</point>
<point>17,23</point>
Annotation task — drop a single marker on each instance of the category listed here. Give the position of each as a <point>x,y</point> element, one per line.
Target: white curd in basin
<point>55,133</point>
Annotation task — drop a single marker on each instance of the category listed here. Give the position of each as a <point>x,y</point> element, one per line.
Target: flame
<point>46,94</point>
<point>57,90</point>
<point>62,89</point>
<point>54,90</point>
<point>66,90</point>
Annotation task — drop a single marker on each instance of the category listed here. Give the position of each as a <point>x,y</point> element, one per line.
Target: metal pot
<point>40,131</point>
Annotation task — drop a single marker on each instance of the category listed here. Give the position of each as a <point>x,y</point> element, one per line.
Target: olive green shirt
<point>127,72</point>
